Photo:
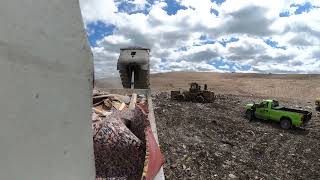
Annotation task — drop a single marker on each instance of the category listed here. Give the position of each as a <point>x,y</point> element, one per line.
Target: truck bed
<point>306,114</point>
<point>293,110</point>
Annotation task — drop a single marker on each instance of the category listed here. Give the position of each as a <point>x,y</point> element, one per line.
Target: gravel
<point>215,141</point>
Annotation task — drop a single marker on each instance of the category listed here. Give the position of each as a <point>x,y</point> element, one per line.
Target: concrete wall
<point>45,94</point>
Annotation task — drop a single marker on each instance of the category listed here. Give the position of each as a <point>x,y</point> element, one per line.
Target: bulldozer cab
<point>195,94</point>
<point>195,87</point>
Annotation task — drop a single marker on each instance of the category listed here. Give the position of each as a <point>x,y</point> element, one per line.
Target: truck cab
<point>265,110</point>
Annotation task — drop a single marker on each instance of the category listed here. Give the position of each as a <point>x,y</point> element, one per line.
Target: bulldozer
<point>195,94</point>
<point>133,67</point>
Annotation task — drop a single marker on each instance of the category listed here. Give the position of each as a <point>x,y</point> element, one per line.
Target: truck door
<point>273,113</point>
<point>262,111</point>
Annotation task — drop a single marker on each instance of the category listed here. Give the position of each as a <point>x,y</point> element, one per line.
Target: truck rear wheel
<point>285,123</point>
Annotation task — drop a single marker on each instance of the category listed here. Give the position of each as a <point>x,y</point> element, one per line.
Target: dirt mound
<point>215,141</point>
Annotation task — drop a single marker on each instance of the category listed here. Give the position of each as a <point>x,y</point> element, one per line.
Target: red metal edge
<point>154,158</point>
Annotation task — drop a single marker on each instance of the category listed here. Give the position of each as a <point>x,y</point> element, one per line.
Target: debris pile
<point>216,141</point>
<point>120,132</point>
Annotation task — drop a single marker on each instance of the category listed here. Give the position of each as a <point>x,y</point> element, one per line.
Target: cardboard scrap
<point>101,112</point>
<point>116,105</point>
<point>123,105</point>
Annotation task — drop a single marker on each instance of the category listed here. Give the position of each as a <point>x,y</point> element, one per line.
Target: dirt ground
<point>215,141</point>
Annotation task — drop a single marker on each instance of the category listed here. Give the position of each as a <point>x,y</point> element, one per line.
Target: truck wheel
<point>285,123</point>
<point>250,115</point>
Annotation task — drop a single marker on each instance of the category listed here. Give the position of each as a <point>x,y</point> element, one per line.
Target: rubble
<point>133,101</point>
<point>217,142</point>
<point>122,145</point>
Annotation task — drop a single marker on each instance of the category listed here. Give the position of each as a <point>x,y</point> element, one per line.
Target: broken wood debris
<point>101,112</point>
<point>120,136</point>
<point>133,101</point>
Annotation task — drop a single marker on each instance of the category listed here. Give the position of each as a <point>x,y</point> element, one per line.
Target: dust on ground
<point>215,141</point>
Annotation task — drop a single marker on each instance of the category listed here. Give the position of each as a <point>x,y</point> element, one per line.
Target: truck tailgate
<point>306,118</point>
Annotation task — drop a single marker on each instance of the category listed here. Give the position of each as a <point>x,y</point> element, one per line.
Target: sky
<point>260,36</point>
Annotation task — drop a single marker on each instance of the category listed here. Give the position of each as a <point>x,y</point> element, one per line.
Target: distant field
<point>293,86</point>
<point>301,87</point>
<point>108,83</point>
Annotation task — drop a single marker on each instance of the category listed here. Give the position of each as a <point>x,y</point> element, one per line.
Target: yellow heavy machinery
<point>195,94</point>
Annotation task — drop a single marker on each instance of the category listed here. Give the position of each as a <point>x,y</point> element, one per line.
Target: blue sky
<point>173,6</point>
<point>275,36</point>
<point>97,30</point>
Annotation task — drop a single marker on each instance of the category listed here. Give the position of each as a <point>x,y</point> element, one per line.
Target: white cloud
<point>189,66</point>
<point>102,10</point>
<point>115,40</point>
<point>175,39</point>
<point>140,4</point>
<point>226,66</point>
<point>200,53</point>
<point>104,62</point>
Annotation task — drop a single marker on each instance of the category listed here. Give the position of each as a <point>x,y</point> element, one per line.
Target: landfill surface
<point>216,141</point>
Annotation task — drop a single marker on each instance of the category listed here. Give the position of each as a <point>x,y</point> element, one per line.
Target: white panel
<point>45,94</point>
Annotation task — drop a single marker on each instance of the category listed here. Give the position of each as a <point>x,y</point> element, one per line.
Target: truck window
<point>263,105</point>
<point>274,104</point>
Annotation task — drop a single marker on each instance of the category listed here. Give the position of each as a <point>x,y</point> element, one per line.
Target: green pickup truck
<point>270,110</point>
